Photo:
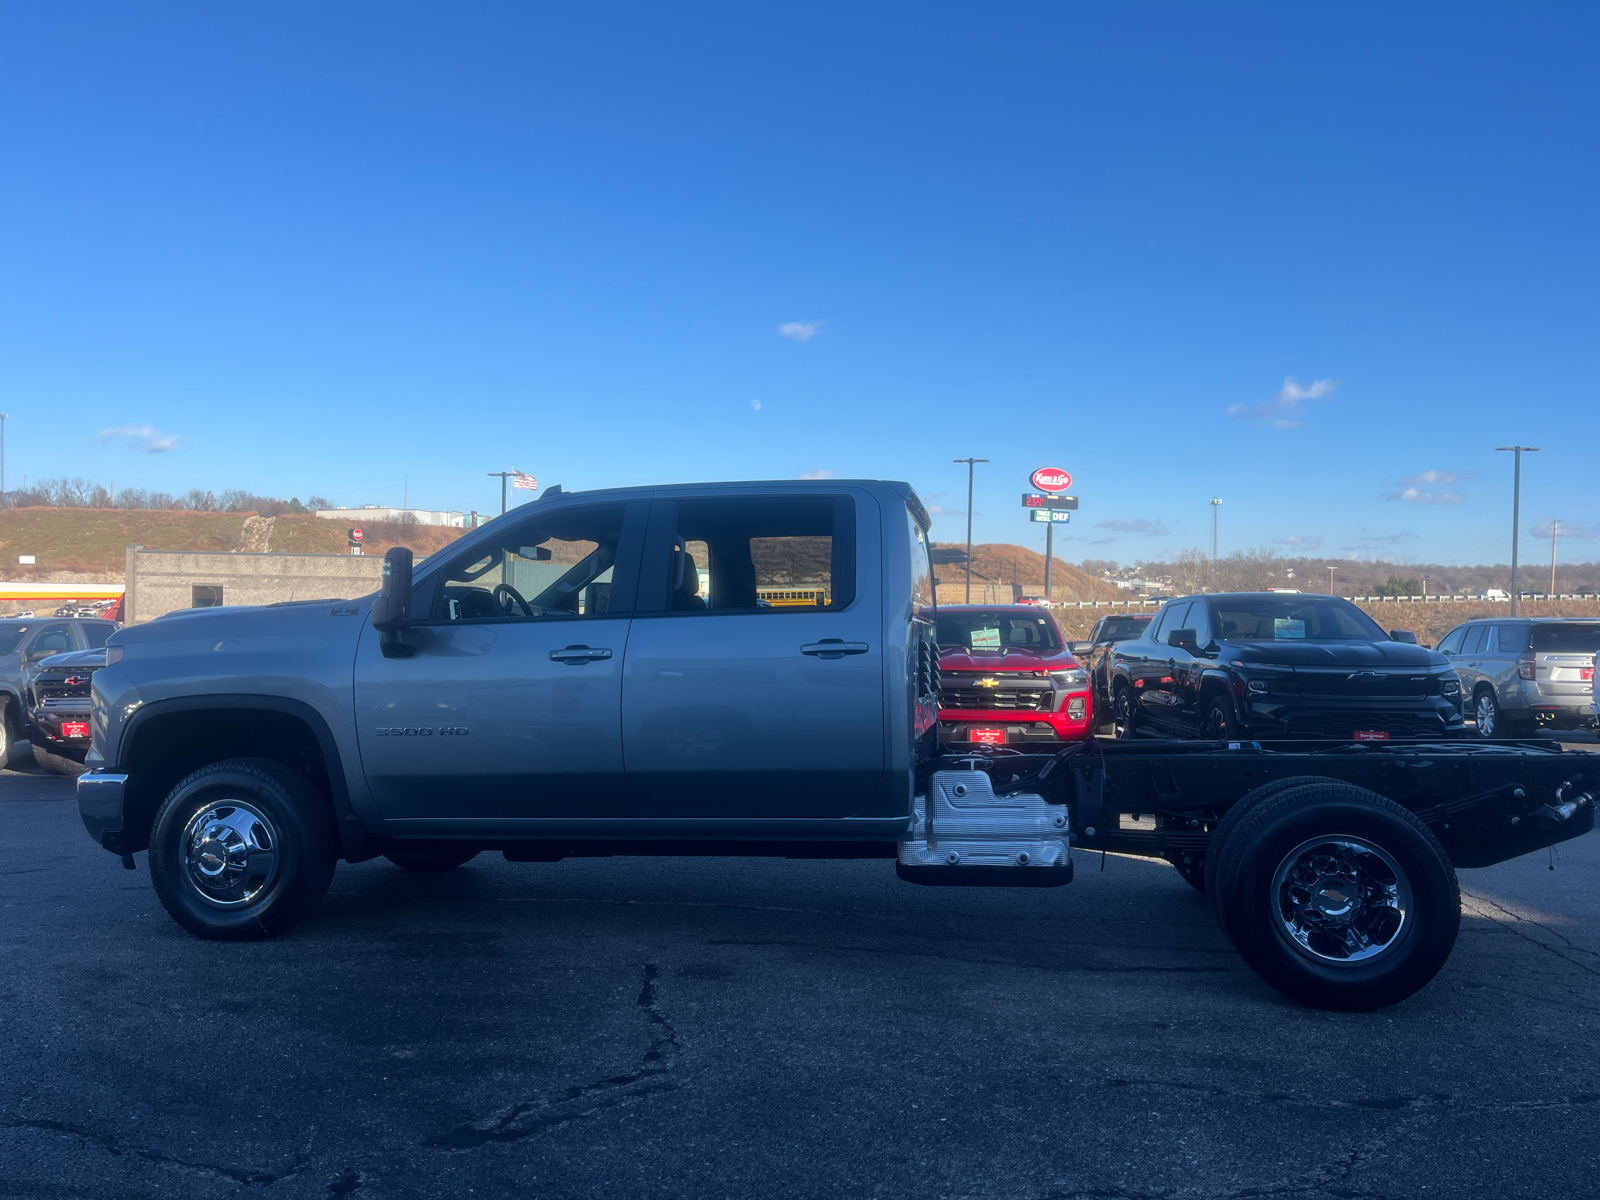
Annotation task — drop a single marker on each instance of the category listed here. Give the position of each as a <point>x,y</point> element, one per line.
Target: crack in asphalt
<point>527,1117</point>
<point>1516,920</point>
<point>110,1145</point>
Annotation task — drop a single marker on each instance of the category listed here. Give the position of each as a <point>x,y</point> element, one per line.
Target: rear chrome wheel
<point>1341,899</point>
<point>1486,711</point>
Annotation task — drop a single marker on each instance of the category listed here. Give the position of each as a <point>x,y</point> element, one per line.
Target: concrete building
<point>372,512</point>
<point>161,581</point>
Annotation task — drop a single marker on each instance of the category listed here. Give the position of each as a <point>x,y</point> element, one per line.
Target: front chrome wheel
<point>1341,899</point>
<point>230,853</point>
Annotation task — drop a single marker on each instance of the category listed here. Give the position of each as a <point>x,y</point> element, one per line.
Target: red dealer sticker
<point>1050,479</point>
<point>990,737</point>
<point>1372,735</point>
<point>74,729</point>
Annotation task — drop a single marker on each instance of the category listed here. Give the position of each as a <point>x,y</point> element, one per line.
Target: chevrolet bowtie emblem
<point>988,683</point>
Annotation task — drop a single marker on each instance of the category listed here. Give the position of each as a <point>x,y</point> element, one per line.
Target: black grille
<point>1376,684</point>
<point>1033,697</point>
<point>1344,725</point>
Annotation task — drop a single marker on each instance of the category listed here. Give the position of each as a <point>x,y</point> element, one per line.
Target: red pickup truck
<point>1006,676</point>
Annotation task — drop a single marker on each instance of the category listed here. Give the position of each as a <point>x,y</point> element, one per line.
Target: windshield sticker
<point>986,639</point>
<point>1283,627</point>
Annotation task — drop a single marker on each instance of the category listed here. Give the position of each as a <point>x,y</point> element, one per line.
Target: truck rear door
<point>754,683</point>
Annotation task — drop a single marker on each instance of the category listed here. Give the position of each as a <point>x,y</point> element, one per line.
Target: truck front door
<point>510,705</point>
<point>755,681</point>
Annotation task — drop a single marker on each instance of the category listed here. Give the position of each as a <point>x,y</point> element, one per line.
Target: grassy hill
<point>94,540</point>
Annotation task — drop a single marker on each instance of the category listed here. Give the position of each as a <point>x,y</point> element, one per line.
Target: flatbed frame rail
<point>1486,802</point>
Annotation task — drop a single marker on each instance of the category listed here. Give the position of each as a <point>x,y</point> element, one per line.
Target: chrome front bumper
<point>100,805</point>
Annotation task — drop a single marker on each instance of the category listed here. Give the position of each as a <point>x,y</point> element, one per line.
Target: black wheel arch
<point>167,740</point>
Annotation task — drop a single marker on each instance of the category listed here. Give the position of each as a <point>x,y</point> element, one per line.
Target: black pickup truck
<point>626,672</point>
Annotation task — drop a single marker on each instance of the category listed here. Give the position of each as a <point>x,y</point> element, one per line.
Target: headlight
<point>1451,685</point>
<point>1070,680</point>
<point>1258,686</point>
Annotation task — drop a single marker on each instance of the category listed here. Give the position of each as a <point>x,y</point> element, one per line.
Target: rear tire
<point>8,735</point>
<point>1230,822</point>
<point>56,764</point>
<point>431,858</point>
<point>242,850</point>
<point>1338,897</point>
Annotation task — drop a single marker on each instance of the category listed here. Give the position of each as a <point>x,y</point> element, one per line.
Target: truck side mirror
<point>391,612</point>
<point>1403,635</point>
<point>1183,639</point>
<point>1079,649</point>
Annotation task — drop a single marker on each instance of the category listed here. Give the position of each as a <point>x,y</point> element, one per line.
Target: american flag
<point>521,479</point>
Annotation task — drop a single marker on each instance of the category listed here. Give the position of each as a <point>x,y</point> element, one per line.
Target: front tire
<point>1124,714</point>
<point>1486,712</point>
<point>56,764</point>
<point>8,735</point>
<point>242,850</point>
<point>1219,723</point>
<point>1338,897</point>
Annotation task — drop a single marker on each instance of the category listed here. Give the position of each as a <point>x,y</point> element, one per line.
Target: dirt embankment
<point>999,566</point>
<point>92,542</point>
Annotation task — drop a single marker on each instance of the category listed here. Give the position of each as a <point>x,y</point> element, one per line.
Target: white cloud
<point>1296,542</point>
<point>143,436</point>
<point>1415,495</point>
<point>1134,525</point>
<point>821,473</point>
<point>938,510</point>
<point>801,331</point>
<point>1283,410</point>
<point>1569,529</point>
<point>1431,477</point>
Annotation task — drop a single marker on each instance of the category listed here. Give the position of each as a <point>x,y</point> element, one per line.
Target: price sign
<point>1049,516</point>
<point>1040,500</point>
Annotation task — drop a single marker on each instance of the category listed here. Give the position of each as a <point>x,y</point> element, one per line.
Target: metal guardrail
<point>1142,603</point>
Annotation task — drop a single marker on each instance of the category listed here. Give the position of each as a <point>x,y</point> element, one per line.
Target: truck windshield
<point>1293,618</point>
<point>996,631</point>
<point>1566,639</point>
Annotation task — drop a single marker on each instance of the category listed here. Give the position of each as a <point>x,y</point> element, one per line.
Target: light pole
<point>1555,528</point>
<point>969,462</point>
<point>503,476</point>
<point>1215,504</point>
<point>1330,580</point>
<point>1516,511</point>
<point>4,503</point>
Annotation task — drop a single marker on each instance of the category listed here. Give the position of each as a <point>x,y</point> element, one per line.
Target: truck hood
<point>1005,660</point>
<point>1334,655</point>
<point>89,660</point>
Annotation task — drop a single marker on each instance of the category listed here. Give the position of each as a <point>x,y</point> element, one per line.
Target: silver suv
<point>1525,673</point>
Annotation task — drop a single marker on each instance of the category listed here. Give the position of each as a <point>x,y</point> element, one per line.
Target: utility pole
<point>969,462</point>
<point>1555,528</point>
<point>4,503</point>
<point>502,476</point>
<point>1212,573</point>
<point>1330,580</point>
<point>1516,511</point>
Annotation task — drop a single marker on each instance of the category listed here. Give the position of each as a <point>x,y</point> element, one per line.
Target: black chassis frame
<point>1486,802</point>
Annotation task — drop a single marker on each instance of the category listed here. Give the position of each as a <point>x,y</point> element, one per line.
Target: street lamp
<point>1330,580</point>
<point>969,462</point>
<point>1516,511</point>
<point>4,503</point>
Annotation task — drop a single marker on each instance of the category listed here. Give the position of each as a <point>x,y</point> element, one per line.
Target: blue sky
<point>1318,262</point>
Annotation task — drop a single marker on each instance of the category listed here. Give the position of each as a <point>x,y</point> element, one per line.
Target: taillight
<point>1586,674</point>
<point>1526,666</point>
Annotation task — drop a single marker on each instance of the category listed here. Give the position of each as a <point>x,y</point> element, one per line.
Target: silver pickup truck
<point>745,669</point>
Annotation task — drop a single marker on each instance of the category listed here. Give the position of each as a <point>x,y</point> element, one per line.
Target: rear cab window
<point>777,554</point>
<point>996,631</point>
<point>1566,639</point>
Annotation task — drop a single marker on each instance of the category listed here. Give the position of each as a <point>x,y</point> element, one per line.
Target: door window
<point>560,565</point>
<point>1199,621</point>
<point>778,555</point>
<point>1169,622</point>
<point>1452,641</point>
<point>921,568</point>
<point>1475,639</point>
<point>96,632</point>
<point>52,639</point>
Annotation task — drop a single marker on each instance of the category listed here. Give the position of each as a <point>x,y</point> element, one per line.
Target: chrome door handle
<point>576,655</point>
<point>834,648</point>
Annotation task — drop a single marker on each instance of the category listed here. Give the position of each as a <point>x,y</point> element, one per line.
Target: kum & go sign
<point>1050,479</point>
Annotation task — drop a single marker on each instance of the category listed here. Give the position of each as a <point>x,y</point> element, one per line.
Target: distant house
<point>372,512</point>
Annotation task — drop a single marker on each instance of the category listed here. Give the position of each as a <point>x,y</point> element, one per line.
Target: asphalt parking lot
<point>766,1028</point>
